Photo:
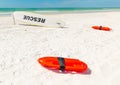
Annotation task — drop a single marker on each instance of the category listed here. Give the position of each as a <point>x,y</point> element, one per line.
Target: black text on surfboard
<point>35,19</point>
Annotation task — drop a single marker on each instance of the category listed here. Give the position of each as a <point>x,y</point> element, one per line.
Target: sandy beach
<point>21,46</point>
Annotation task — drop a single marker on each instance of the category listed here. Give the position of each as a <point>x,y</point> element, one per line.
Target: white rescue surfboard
<point>28,18</point>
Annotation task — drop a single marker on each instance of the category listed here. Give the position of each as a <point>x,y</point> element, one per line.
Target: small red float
<point>101,28</point>
<point>63,64</point>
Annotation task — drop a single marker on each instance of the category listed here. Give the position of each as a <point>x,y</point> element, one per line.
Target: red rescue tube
<point>64,64</point>
<point>101,28</point>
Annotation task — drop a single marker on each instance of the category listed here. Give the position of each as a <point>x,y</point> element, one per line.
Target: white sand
<point>21,46</point>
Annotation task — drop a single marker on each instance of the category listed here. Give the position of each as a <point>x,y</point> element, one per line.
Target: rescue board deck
<point>29,18</point>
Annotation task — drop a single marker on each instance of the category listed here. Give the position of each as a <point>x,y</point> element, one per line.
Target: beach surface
<point>21,46</point>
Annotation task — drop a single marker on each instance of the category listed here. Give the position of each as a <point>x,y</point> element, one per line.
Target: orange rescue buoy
<point>101,28</point>
<point>63,64</point>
